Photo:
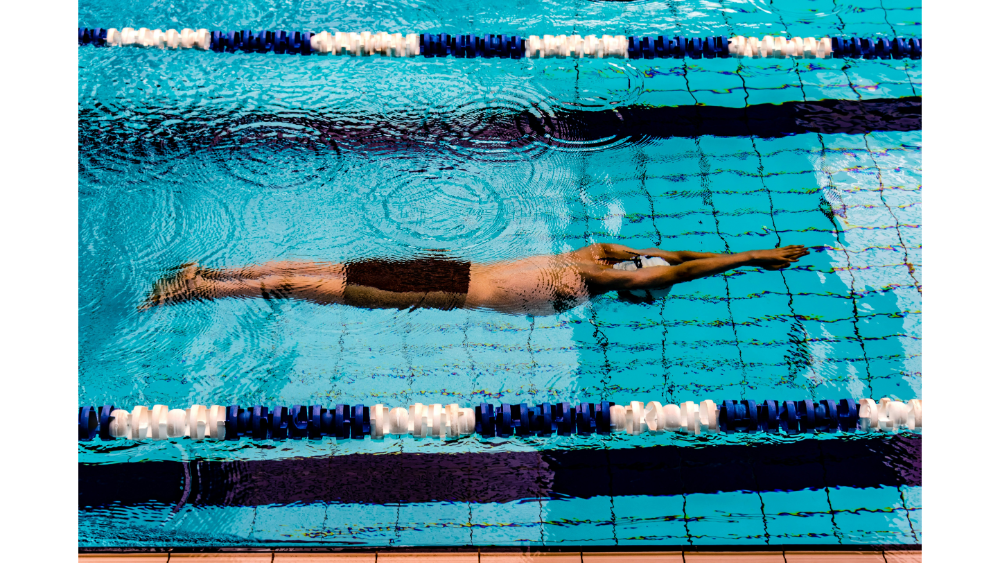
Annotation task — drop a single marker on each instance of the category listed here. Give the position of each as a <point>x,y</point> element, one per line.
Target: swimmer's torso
<point>539,285</point>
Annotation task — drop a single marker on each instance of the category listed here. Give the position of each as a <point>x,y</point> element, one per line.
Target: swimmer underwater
<point>538,285</point>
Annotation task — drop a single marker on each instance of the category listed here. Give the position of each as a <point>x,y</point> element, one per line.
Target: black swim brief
<point>436,283</point>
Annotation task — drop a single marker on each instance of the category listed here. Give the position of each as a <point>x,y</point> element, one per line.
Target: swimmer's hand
<point>777,258</point>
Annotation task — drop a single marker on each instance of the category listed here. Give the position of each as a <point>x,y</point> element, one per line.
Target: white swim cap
<point>644,262</point>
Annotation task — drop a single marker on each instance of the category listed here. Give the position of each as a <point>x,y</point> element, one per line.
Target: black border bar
<point>388,479</point>
<point>490,128</point>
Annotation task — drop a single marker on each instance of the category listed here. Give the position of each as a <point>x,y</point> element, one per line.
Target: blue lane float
<point>503,46</point>
<point>343,422</point>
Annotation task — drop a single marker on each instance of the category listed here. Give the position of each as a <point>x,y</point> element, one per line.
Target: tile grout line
<point>829,501</point>
<point>802,89</point>
<point>643,176</point>
<point>899,235</point>
<point>796,321</point>
<point>760,169</point>
<point>687,528</point>
<point>850,268</point>
<point>906,62</point>
<point>871,391</point>
<point>707,195</point>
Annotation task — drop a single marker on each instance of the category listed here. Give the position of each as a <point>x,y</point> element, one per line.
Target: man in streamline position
<point>538,285</point>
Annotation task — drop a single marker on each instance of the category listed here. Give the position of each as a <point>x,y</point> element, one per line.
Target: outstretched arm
<point>611,251</point>
<point>661,276</point>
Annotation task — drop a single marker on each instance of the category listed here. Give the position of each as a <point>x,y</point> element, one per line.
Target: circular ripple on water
<point>136,148</point>
<point>539,112</point>
<point>494,126</point>
<point>279,156</point>
<point>435,207</point>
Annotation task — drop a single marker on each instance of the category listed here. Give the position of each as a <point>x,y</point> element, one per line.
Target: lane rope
<point>451,421</point>
<point>504,46</point>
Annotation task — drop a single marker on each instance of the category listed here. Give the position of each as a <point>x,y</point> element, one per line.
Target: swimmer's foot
<point>174,288</point>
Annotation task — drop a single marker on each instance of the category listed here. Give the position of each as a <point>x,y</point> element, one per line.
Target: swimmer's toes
<point>173,288</point>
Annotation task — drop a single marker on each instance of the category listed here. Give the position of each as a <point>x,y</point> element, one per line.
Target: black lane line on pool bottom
<point>492,128</point>
<point>508,476</point>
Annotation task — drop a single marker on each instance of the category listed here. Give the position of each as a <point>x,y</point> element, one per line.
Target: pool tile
<point>510,523</point>
<point>650,520</point>
<point>872,25</point>
<point>813,222</point>
<point>714,74</point>
<point>436,557</point>
<point>916,516</point>
<point>903,556</point>
<point>748,231</point>
<point>801,530</point>
<point>633,557</point>
<point>912,496</point>
<point>123,558</point>
<point>871,515</point>
<point>733,98</point>
<point>578,521</point>
<point>774,95</point>
<point>283,523</point>
<point>756,284</point>
<point>225,557</point>
<point>280,557</point>
<point>725,517</point>
<point>741,556</point>
<point>798,517</point>
<point>873,528</point>
<point>833,557</point>
<point>721,149</point>
<point>796,202</point>
<point>218,521</point>
<point>678,203</point>
<point>543,557</point>
<point>348,524</point>
<point>667,98</point>
<point>442,523</point>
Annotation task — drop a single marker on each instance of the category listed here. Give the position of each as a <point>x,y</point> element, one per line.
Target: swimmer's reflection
<point>539,285</point>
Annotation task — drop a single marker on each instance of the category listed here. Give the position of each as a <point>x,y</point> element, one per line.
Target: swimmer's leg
<point>283,268</point>
<point>324,289</point>
<point>180,286</point>
<point>191,282</point>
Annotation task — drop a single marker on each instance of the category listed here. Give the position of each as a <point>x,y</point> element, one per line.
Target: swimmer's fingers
<point>793,254</point>
<point>780,266</point>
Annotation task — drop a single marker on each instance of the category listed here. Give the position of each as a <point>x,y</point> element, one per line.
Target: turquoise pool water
<point>225,159</point>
